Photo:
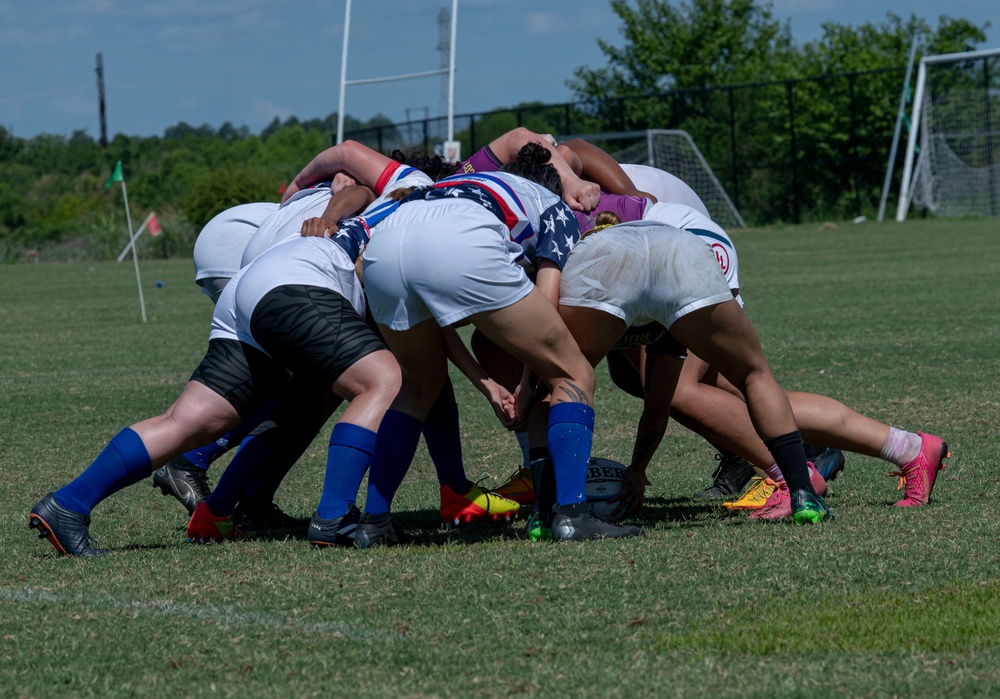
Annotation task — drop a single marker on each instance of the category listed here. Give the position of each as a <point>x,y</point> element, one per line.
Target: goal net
<point>956,114</point>
<point>675,152</point>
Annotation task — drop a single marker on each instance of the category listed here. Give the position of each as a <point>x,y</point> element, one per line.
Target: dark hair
<point>434,166</point>
<point>532,163</point>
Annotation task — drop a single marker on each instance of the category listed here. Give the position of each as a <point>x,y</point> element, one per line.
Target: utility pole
<point>100,95</point>
<point>444,48</point>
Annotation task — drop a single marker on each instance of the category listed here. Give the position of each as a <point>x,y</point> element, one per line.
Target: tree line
<point>684,65</point>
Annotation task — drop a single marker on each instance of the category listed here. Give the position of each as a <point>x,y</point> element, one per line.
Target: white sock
<point>901,447</point>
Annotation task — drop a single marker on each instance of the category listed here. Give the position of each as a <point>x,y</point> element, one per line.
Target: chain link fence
<point>788,151</point>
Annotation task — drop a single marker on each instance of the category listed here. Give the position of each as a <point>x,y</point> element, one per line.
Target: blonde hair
<point>603,220</point>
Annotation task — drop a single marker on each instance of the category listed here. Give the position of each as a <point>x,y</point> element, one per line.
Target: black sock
<point>544,477</point>
<point>789,454</point>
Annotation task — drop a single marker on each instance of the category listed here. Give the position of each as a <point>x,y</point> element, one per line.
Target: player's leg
<point>197,416</point>
<point>724,337</point>
<point>422,359</point>
<point>532,330</point>
<point>829,422</point>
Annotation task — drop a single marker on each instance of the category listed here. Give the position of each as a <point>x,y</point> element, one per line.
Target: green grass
<point>898,321</point>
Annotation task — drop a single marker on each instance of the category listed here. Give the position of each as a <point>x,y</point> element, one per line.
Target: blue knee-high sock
<point>123,462</point>
<point>293,443</point>
<point>395,445</point>
<point>347,460</point>
<point>254,457</point>
<point>203,456</point>
<point>441,434</point>
<point>571,435</point>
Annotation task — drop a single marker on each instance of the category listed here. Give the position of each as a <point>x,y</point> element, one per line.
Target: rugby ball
<point>604,480</point>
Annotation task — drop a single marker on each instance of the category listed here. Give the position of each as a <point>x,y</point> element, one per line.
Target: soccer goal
<point>675,152</point>
<point>956,122</point>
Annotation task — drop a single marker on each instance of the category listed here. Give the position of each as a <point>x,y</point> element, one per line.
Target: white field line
<point>222,615</point>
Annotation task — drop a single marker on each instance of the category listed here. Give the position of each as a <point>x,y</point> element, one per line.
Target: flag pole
<point>135,256</point>
<point>135,236</point>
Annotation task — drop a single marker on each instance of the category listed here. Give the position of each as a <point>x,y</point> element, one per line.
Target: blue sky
<point>248,61</point>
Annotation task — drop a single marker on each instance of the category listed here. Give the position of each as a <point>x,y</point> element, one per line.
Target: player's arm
<point>503,403</point>
<point>349,201</point>
<point>661,374</point>
<point>360,162</point>
<point>598,166</point>
<point>578,193</point>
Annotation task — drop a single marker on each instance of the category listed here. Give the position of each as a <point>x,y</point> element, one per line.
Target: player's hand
<point>581,195</point>
<point>632,495</point>
<point>523,397</point>
<point>503,402</point>
<point>340,181</point>
<point>318,228</point>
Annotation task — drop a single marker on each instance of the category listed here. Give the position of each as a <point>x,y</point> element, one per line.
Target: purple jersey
<point>625,207</point>
<point>482,160</point>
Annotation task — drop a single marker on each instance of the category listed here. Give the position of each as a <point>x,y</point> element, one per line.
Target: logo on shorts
<point>722,255</point>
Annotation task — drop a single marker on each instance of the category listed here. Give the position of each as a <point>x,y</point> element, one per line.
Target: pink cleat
<point>918,476</point>
<point>779,504</point>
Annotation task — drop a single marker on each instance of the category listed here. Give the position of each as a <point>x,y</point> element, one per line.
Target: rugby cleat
<point>809,509</point>
<point>731,476</point>
<point>67,531</point>
<point>338,531</point>
<point>779,503</point>
<point>829,462</point>
<point>758,493</point>
<point>254,516</point>
<point>916,478</point>
<point>477,504</point>
<point>183,480</point>
<point>380,530</point>
<point>205,526</point>
<point>519,487</point>
<point>540,527</point>
<point>578,523</point>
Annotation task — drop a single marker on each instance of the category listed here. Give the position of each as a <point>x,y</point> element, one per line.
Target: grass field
<point>902,322</point>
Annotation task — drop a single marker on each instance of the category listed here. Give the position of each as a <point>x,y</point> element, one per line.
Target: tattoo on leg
<point>573,394</point>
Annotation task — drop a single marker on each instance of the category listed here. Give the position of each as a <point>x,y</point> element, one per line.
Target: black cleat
<point>732,475</point>
<point>829,462</point>
<point>183,480</point>
<point>67,531</point>
<point>380,530</point>
<point>577,523</point>
<point>254,516</point>
<point>338,531</point>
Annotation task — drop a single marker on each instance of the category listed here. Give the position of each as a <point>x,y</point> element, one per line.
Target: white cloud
<point>263,111</point>
<point>544,23</point>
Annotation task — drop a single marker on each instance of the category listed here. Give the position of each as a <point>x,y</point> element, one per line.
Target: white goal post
<point>673,151</point>
<point>956,116</point>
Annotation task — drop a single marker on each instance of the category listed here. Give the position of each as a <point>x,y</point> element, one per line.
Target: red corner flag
<point>153,226</point>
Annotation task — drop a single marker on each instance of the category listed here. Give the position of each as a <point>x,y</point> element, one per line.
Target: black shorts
<point>241,374</point>
<point>312,331</point>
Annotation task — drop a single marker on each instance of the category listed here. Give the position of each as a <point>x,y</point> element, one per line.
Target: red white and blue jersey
<point>539,225</point>
<point>355,232</point>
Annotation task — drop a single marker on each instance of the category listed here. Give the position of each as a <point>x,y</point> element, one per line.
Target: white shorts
<point>642,272</point>
<point>667,188</point>
<point>445,260</point>
<point>689,219</point>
